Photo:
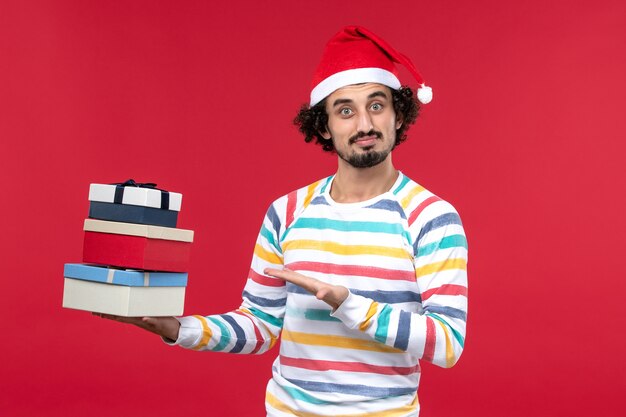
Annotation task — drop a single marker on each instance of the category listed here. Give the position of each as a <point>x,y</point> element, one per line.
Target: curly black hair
<point>313,120</point>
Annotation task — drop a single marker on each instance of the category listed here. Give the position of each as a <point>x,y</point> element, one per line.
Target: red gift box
<point>137,246</point>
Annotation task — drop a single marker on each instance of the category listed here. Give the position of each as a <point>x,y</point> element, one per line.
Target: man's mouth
<point>365,139</point>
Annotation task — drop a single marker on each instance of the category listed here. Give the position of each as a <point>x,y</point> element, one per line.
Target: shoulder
<point>302,196</point>
<point>423,207</point>
<point>288,206</point>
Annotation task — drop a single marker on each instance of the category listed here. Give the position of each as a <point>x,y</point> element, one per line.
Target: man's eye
<point>345,112</point>
<point>377,106</point>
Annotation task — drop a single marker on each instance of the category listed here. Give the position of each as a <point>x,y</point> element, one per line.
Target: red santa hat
<point>355,55</point>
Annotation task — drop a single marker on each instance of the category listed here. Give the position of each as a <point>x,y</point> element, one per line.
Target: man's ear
<point>325,134</point>
<point>399,121</point>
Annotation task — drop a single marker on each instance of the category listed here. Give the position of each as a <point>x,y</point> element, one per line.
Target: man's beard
<point>369,157</point>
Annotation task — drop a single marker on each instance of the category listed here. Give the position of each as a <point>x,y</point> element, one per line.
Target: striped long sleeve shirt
<point>403,257</point>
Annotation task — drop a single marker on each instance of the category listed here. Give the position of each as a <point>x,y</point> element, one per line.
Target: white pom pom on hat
<point>356,55</point>
<point>424,94</point>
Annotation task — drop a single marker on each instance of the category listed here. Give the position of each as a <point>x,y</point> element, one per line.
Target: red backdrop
<point>525,136</point>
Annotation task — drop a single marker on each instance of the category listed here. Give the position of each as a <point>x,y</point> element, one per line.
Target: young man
<point>361,274</point>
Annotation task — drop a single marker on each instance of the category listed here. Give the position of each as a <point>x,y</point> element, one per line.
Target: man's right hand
<point>166,327</point>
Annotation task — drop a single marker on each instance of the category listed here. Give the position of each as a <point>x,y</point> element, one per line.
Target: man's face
<point>362,123</point>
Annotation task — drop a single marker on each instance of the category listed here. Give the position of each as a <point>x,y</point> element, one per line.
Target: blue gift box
<point>132,278</point>
<point>132,214</point>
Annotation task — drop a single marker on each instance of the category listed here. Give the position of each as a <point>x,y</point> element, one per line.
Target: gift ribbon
<point>111,274</point>
<point>119,191</point>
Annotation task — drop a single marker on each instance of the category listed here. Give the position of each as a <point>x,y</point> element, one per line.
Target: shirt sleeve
<point>254,327</point>
<point>436,333</point>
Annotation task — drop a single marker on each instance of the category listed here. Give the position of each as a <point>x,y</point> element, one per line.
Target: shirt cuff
<point>353,310</point>
<point>189,334</point>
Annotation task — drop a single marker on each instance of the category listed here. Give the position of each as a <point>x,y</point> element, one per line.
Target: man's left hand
<point>333,295</point>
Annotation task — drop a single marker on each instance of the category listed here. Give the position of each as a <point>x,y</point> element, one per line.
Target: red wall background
<point>525,136</point>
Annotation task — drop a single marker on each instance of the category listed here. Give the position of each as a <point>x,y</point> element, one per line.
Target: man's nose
<point>365,122</point>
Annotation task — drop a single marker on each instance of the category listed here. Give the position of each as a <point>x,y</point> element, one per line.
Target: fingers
<point>107,316</point>
<point>137,321</point>
<point>300,280</point>
<point>312,285</point>
<point>333,295</point>
<point>163,326</point>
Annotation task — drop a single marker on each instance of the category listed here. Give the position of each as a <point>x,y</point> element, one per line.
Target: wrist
<point>173,328</point>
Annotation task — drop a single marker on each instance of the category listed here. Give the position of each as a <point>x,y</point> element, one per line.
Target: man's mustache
<point>360,135</point>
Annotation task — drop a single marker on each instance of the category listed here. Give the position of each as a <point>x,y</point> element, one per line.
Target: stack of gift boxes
<point>134,258</point>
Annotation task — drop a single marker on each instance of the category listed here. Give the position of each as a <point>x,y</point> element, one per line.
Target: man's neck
<point>352,185</point>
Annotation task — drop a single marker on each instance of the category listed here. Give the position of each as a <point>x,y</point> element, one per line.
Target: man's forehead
<point>360,90</point>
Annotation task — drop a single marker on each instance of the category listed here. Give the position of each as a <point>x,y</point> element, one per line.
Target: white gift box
<point>140,230</point>
<point>122,300</point>
<point>136,196</point>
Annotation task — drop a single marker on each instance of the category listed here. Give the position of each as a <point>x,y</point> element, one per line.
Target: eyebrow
<point>378,93</point>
